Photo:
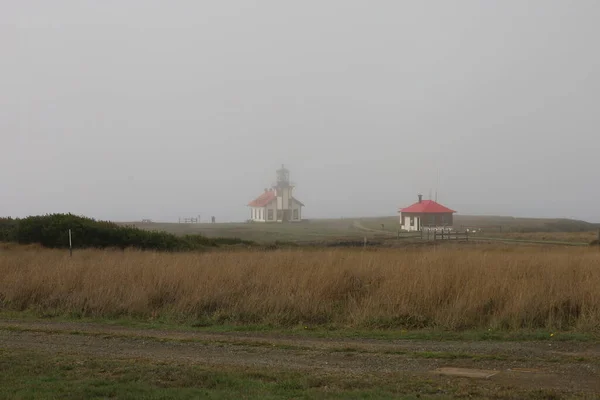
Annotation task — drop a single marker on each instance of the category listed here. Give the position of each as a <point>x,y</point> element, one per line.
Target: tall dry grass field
<point>453,288</point>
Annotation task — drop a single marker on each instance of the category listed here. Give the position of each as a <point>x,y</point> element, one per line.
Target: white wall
<point>271,206</point>
<point>258,214</point>
<point>284,198</point>
<point>406,224</point>
<point>287,198</point>
<point>296,206</point>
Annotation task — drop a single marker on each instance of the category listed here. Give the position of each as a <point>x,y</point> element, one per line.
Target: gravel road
<point>565,366</point>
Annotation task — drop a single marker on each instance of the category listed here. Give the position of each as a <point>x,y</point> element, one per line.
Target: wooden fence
<point>451,235</point>
<point>443,235</point>
<point>188,220</point>
<point>433,235</point>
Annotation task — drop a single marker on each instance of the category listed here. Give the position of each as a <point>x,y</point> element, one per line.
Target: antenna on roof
<point>429,193</point>
<point>437,184</point>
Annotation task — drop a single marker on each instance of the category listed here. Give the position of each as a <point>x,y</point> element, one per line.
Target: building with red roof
<point>426,214</point>
<point>277,204</point>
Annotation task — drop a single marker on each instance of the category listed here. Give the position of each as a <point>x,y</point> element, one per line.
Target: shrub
<point>8,230</point>
<point>53,231</point>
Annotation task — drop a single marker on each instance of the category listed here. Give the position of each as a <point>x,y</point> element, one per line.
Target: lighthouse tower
<point>284,190</point>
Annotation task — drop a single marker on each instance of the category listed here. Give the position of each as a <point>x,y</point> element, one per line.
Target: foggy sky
<point>124,109</point>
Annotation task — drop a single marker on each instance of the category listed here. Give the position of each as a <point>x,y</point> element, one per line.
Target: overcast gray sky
<point>123,109</point>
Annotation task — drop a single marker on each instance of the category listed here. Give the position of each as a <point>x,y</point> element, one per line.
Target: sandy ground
<point>565,366</point>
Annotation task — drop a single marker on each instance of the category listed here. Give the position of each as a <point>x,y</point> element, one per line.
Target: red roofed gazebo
<point>425,214</point>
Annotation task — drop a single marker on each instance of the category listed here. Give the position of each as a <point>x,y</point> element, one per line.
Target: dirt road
<point>566,366</point>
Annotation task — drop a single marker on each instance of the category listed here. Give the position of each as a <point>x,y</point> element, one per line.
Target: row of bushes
<point>8,229</point>
<point>53,231</point>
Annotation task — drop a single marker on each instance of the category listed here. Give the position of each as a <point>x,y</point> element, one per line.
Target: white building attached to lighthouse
<point>278,203</point>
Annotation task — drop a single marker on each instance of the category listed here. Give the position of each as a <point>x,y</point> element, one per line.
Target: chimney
<point>420,198</point>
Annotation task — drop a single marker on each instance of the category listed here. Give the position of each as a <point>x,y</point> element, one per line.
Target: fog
<point>129,109</point>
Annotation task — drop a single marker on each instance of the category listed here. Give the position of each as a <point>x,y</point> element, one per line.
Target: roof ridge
<point>427,206</point>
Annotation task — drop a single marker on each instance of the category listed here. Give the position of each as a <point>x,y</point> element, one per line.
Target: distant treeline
<point>53,231</point>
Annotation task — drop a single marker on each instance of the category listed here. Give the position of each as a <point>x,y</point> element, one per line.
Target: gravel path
<point>567,366</point>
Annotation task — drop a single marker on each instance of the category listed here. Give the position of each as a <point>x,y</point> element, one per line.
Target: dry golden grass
<point>453,288</point>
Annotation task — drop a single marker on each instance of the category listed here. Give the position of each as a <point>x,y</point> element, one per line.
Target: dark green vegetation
<point>8,229</point>
<point>52,231</point>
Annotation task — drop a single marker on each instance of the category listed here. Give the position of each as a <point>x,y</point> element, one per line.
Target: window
<point>270,214</point>
<point>295,213</point>
<point>412,221</point>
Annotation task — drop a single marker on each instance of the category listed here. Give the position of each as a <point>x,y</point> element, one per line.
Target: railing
<point>450,235</point>
<point>188,220</point>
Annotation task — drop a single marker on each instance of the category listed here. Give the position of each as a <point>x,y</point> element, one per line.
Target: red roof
<point>427,207</point>
<point>264,199</point>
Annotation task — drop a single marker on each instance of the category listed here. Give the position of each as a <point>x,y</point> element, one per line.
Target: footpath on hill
<point>567,367</point>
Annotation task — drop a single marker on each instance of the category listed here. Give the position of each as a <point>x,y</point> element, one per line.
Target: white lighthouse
<point>283,191</point>
<point>278,203</point>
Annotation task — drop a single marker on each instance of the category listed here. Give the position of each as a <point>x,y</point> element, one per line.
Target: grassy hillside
<point>372,228</point>
<point>306,231</point>
<point>523,225</point>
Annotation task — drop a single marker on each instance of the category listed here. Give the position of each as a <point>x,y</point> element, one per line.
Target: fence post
<point>467,235</point>
<point>434,236</point>
<point>365,243</point>
<point>70,245</point>
<point>442,234</point>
